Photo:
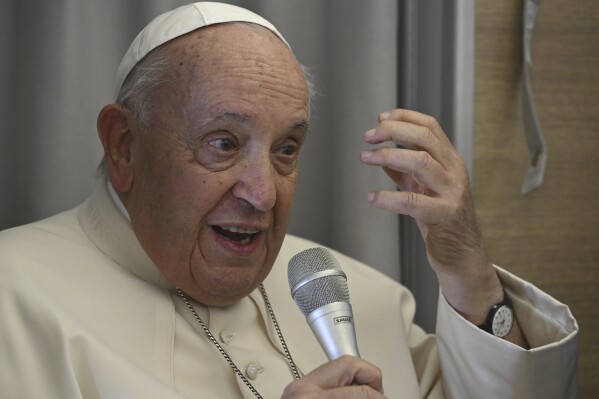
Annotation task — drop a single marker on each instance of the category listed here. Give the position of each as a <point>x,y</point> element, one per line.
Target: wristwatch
<point>500,319</point>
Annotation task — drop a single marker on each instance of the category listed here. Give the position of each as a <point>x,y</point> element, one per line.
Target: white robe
<point>84,313</point>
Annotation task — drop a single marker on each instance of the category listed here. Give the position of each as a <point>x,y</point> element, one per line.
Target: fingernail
<point>370,197</point>
<point>365,155</point>
<point>385,115</point>
<point>369,133</point>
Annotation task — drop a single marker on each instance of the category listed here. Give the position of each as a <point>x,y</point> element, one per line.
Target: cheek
<point>178,216</point>
<point>285,197</point>
<point>194,196</point>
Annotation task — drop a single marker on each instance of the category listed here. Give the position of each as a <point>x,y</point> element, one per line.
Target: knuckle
<point>386,124</point>
<point>385,154</point>
<point>411,201</point>
<point>345,359</point>
<point>460,169</point>
<point>428,136</point>
<point>366,391</point>
<point>431,121</point>
<point>379,372</point>
<point>461,165</point>
<point>423,160</point>
<point>388,129</point>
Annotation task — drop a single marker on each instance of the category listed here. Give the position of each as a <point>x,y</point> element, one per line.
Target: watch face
<point>502,322</point>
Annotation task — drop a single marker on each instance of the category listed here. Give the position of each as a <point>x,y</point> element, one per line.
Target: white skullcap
<point>180,21</point>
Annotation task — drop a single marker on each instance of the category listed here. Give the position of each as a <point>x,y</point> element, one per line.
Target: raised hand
<point>434,188</point>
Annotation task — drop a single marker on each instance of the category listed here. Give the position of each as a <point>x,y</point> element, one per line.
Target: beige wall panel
<point>550,237</point>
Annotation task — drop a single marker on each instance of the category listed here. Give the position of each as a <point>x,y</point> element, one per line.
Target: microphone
<point>319,288</point>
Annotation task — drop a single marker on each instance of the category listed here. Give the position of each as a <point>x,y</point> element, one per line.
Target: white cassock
<point>84,313</point>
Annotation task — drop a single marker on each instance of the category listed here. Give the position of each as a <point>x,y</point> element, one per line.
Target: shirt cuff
<point>477,364</point>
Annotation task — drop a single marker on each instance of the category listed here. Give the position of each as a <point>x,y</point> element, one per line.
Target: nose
<point>256,184</point>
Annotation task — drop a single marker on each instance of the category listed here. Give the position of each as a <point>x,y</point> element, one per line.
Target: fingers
<point>413,130</point>
<point>431,175</point>
<point>296,390</point>
<point>413,117</point>
<point>347,370</point>
<point>426,162</point>
<point>423,208</point>
<point>345,377</point>
<point>420,165</point>
<point>435,191</point>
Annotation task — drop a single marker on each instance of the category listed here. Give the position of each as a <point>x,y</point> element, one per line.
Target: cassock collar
<point>109,229</point>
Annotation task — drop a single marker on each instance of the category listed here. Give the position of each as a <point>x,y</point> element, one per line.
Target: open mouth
<point>236,233</point>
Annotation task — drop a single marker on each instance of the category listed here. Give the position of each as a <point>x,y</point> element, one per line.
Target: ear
<point>114,130</point>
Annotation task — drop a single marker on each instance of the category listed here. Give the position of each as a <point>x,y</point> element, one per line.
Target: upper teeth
<point>237,229</point>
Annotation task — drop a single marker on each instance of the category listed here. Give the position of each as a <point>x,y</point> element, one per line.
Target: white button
<point>226,336</point>
<point>253,369</point>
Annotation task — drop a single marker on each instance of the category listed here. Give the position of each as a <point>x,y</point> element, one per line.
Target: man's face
<point>214,178</point>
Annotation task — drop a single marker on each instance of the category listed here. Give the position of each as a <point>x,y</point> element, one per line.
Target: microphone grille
<point>318,291</point>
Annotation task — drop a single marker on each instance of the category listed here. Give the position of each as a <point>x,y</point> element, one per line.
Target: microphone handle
<point>333,326</point>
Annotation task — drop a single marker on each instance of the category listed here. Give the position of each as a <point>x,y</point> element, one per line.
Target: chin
<point>224,292</point>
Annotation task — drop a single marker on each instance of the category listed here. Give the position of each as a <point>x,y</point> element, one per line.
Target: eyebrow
<point>242,117</point>
<point>236,116</point>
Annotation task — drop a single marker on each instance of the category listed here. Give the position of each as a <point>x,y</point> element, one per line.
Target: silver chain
<point>226,355</point>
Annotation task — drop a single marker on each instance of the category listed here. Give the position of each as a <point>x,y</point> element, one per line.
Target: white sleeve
<point>476,364</point>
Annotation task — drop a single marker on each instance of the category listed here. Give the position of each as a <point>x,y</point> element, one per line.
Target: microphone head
<point>316,279</point>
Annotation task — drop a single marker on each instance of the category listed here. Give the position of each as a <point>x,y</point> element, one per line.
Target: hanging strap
<point>537,146</point>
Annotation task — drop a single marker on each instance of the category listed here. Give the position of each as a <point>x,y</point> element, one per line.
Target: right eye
<point>216,151</point>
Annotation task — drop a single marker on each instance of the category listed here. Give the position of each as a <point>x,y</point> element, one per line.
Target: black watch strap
<point>506,304</point>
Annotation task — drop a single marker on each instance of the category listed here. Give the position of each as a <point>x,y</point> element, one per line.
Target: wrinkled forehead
<point>179,22</point>
<point>250,45</point>
<point>231,63</point>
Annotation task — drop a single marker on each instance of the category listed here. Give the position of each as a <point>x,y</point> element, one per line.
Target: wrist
<point>474,294</point>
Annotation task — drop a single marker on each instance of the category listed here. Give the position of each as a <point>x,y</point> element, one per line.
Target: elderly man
<point>170,280</point>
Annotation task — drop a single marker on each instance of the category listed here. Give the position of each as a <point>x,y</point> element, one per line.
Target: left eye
<point>286,157</point>
<point>289,150</point>
<point>222,144</point>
